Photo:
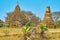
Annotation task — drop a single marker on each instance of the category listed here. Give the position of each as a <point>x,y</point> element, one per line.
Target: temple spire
<point>17,3</point>
<point>17,8</point>
<point>48,9</point>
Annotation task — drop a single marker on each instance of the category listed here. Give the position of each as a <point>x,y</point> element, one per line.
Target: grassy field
<point>11,34</point>
<point>17,34</point>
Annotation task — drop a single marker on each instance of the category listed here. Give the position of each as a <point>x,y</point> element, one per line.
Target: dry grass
<point>17,34</point>
<point>11,34</point>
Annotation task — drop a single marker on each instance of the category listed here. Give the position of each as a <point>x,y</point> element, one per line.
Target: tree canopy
<point>22,18</point>
<point>56,18</point>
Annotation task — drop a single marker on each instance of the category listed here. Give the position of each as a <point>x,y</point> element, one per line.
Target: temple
<point>48,19</point>
<point>16,17</point>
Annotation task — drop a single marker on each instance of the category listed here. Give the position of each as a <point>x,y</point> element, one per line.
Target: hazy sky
<point>38,7</point>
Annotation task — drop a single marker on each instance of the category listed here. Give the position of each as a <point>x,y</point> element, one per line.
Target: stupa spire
<point>17,3</point>
<point>48,9</point>
<point>17,8</point>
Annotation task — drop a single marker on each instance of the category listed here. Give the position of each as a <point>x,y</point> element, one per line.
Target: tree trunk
<point>25,37</point>
<point>42,34</point>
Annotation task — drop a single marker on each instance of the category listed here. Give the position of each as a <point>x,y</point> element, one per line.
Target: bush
<point>1,25</point>
<point>6,25</point>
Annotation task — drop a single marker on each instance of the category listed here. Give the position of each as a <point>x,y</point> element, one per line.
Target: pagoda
<point>48,19</point>
<point>14,18</point>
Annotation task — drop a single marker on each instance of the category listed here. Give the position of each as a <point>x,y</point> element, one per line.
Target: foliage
<point>56,17</point>
<point>1,23</point>
<point>6,25</point>
<point>41,27</point>
<point>29,24</point>
<point>23,17</point>
<point>26,29</point>
<point>58,23</point>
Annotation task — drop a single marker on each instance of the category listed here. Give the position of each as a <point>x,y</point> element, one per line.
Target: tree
<point>1,23</point>
<point>26,30</point>
<point>43,28</point>
<point>56,18</point>
<point>58,23</point>
<point>32,18</point>
<point>22,18</point>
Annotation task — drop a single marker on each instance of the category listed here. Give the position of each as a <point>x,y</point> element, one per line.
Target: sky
<point>37,7</point>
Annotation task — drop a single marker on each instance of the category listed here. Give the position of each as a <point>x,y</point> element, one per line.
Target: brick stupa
<point>48,19</point>
<point>14,18</point>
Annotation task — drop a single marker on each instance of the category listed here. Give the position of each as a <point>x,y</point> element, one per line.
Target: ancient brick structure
<point>14,18</point>
<point>48,19</point>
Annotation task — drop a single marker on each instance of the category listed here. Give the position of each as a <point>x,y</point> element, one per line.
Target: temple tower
<point>48,18</point>
<point>17,8</point>
<point>16,18</point>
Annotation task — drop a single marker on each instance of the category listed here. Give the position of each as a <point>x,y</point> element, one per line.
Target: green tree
<point>43,28</point>
<point>58,23</point>
<point>26,30</point>
<point>30,24</point>
<point>1,23</point>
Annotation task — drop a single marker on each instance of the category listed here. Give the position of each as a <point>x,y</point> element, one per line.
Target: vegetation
<point>21,18</point>
<point>26,32</point>
<point>1,23</point>
<point>56,18</point>
<point>27,21</point>
<point>43,28</point>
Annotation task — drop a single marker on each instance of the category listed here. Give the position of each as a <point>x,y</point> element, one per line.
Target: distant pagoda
<point>14,18</point>
<point>48,19</point>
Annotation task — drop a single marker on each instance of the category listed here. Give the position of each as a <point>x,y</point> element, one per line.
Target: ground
<point>17,34</point>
